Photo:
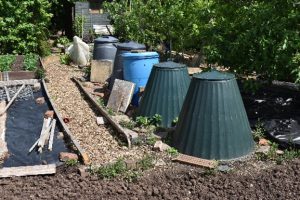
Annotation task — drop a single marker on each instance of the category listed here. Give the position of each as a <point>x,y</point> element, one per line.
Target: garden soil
<point>177,182</point>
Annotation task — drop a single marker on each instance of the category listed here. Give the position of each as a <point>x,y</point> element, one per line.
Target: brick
<point>65,156</point>
<point>263,142</point>
<point>85,159</point>
<point>101,70</point>
<point>49,114</point>
<point>100,121</point>
<point>40,100</point>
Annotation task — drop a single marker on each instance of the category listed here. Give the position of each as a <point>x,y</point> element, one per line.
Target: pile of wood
<point>46,136</point>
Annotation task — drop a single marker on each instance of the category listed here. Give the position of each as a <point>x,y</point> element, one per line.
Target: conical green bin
<point>165,92</point>
<point>213,123</point>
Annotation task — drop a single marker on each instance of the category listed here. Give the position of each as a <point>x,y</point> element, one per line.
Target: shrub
<point>6,62</point>
<point>30,62</point>
<point>23,25</point>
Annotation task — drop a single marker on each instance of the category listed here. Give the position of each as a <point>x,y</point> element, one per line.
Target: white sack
<point>79,51</point>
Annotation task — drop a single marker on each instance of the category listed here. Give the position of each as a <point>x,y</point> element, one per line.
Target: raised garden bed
<point>19,67</point>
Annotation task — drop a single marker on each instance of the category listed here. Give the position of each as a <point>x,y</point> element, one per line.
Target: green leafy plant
<point>156,120</point>
<point>30,62</point>
<point>6,62</point>
<point>172,151</point>
<point>65,59</point>
<point>175,121</point>
<point>132,175</point>
<point>147,162</point>
<point>40,73</point>
<point>26,29</point>
<point>63,41</point>
<point>128,124</point>
<point>259,131</point>
<point>71,162</point>
<point>112,170</point>
<point>142,121</point>
<point>101,102</point>
<point>110,111</point>
<point>151,140</point>
<point>78,25</point>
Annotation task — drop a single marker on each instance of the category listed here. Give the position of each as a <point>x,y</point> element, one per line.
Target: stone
<point>86,159</point>
<point>224,168</point>
<point>279,152</point>
<point>99,94</point>
<point>101,70</point>
<point>40,100</point>
<point>82,172</point>
<point>160,163</point>
<point>263,142</point>
<point>263,149</point>
<point>65,156</point>
<point>130,164</point>
<point>160,146</point>
<point>36,87</point>
<point>60,136</point>
<point>121,95</point>
<point>100,121</point>
<point>49,114</point>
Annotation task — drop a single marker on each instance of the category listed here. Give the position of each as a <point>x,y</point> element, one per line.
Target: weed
<point>142,121</point>
<point>128,124</point>
<point>209,172</point>
<point>151,140</point>
<point>65,59</point>
<point>112,170</point>
<point>146,163</point>
<point>40,73</point>
<point>172,151</point>
<point>6,62</point>
<point>156,120</point>
<point>259,131</point>
<point>101,102</point>
<point>71,162</point>
<point>272,154</point>
<point>63,41</point>
<point>110,111</point>
<point>175,121</point>
<point>131,176</point>
<point>290,154</point>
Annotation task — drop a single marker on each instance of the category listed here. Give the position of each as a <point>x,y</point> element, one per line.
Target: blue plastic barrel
<point>137,68</point>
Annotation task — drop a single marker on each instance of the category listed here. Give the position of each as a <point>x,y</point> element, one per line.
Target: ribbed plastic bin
<point>213,123</point>
<point>165,92</point>
<point>104,48</point>
<point>137,68</point>
<point>125,47</point>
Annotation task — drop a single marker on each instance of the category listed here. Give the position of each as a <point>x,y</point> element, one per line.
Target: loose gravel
<point>99,142</point>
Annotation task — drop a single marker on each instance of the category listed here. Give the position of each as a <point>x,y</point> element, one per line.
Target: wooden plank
<point>191,160</point>
<point>52,135</point>
<point>44,135</point>
<point>27,170</point>
<point>7,93</point>
<point>43,128</point>
<point>121,95</point>
<point>13,99</point>
<point>18,82</point>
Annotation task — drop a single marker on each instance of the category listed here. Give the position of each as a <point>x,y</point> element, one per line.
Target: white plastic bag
<point>79,52</point>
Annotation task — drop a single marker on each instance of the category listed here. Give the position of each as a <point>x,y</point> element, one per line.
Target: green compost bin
<point>165,92</point>
<point>213,123</point>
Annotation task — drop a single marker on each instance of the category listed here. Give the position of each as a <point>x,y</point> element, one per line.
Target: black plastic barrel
<point>104,48</point>
<point>118,64</point>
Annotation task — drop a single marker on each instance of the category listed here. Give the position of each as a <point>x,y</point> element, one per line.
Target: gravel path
<point>98,141</point>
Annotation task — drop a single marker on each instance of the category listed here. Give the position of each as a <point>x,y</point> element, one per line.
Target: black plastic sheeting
<point>23,127</point>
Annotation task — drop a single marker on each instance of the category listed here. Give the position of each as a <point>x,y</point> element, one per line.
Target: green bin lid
<point>169,65</point>
<point>214,75</point>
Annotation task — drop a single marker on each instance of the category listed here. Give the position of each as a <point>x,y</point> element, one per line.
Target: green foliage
<point>65,59</point>
<point>259,131</point>
<point>128,124</point>
<point>23,25</point>
<point>172,151</point>
<point>112,170</point>
<point>72,163</point>
<point>6,62</point>
<point>155,21</point>
<point>147,162</point>
<point>78,25</point>
<point>151,140</point>
<point>40,73</point>
<point>101,102</point>
<point>143,121</point>
<point>131,176</point>
<point>259,37</point>
<point>63,41</point>
<point>30,62</point>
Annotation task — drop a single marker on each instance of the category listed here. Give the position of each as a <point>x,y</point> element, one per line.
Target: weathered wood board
<point>28,170</point>
<point>195,161</point>
<point>121,95</point>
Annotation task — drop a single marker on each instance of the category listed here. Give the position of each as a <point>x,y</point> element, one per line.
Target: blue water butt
<point>137,68</point>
